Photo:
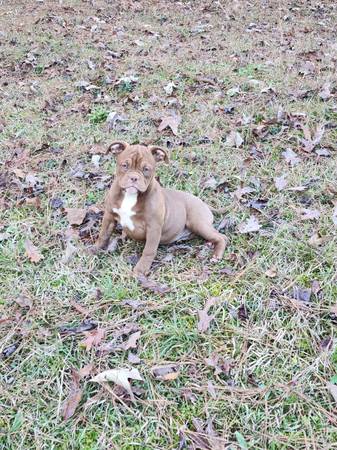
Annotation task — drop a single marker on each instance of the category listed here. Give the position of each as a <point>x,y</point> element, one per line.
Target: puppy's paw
<point>140,271</point>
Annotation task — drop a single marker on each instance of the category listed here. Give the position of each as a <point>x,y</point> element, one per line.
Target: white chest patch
<point>125,211</point>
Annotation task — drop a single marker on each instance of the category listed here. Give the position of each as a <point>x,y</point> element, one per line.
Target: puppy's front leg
<point>153,235</point>
<point>108,225</point>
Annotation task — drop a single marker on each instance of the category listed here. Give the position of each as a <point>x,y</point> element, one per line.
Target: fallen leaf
<point>133,359</point>
<point>24,301</point>
<point>325,93</point>
<point>309,142</point>
<point>309,214</point>
<point>291,157</point>
<point>333,390</point>
<point>169,88</point>
<point>234,139</point>
<point>70,251</point>
<point>31,180</point>
<point>75,216</point>
<point>4,236</point>
<point>242,191</point>
<point>204,318</point>
<point>93,338</point>
<point>323,152</point>
<point>74,397</point>
<point>56,203</point>
<point>242,313</point>
<point>271,273</point>
<point>211,390</point>
<point>316,240</point>
<point>170,122</point>
<point>85,371</point>
<point>301,294</point>
<point>32,252</point>
<point>208,183</point>
<point>315,287</point>
<point>8,351</point>
<point>34,201</point>
<point>249,226</point>
<point>86,325</point>
<point>307,68</point>
<point>132,341</point>
<point>166,373</point>
<point>152,285</point>
<point>281,182</point>
<point>79,308</point>
<point>120,377</point>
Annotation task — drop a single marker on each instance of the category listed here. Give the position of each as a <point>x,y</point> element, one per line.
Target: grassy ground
<point>258,68</point>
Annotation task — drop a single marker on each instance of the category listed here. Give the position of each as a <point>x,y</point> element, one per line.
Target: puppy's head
<point>136,165</point>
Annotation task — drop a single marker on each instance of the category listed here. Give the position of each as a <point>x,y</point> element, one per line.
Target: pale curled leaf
<point>132,341</point>
<point>204,318</point>
<point>120,377</point>
<point>171,122</point>
<point>75,216</point>
<point>249,226</point>
<point>291,157</point>
<point>93,338</point>
<point>32,252</point>
<point>309,214</point>
<point>166,372</point>
<point>333,390</point>
<point>234,139</point>
<point>281,182</point>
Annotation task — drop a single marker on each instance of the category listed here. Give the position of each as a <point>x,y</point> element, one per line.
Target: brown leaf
<point>271,273</point>
<point>133,359</point>
<point>309,214</point>
<point>333,390</point>
<point>152,285</point>
<point>85,371</point>
<point>281,182</point>
<point>325,93</point>
<point>75,216</point>
<point>301,294</point>
<point>24,301</point>
<point>74,397</point>
<point>32,252</point>
<point>242,191</point>
<point>251,225</point>
<point>79,308</point>
<point>165,373</point>
<point>34,201</point>
<point>291,157</point>
<point>309,142</point>
<point>234,139</point>
<point>93,338</point>
<point>132,341</point>
<point>204,318</point>
<point>307,68</point>
<point>316,240</point>
<point>172,122</point>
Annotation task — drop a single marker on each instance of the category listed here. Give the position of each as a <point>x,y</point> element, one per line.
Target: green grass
<point>273,394</point>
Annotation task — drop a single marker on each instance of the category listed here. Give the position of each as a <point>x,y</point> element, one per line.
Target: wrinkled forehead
<point>137,154</point>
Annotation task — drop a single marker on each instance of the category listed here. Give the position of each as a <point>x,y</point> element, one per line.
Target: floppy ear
<point>159,153</point>
<point>117,147</point>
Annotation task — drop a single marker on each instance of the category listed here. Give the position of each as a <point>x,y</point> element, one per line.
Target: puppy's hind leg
<point>207,231</point>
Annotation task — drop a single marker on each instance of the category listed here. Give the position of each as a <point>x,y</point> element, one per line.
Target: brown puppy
<point>148,212</point>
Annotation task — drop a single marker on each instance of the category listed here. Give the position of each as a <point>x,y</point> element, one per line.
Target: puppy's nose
<point>134,178</point>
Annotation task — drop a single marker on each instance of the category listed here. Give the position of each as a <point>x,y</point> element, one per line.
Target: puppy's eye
<point>124,165</point>
<point>146,170</point>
